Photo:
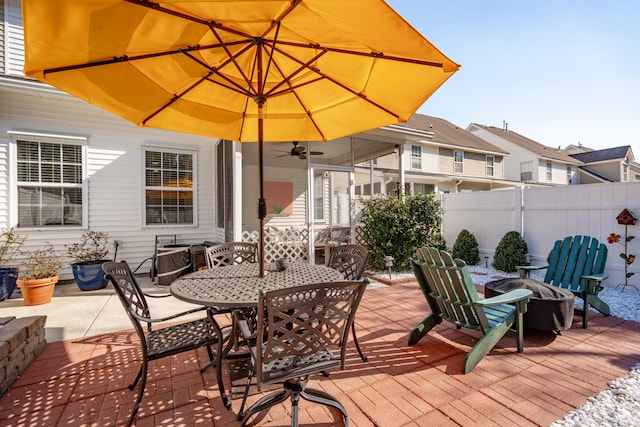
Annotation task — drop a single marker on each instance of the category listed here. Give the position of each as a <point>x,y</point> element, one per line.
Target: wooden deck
<point>84,381</point>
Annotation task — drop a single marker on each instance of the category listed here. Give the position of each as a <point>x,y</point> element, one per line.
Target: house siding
<point>558,173</point>
<point>517,155</point>
<point>430,159</point>
<point>14,39</point>
<point>114,171</point>
<point>250,195</point>
<point>612,171</point>
<point>445,161</point>
<point>2,37</point>
<point>474,164</point>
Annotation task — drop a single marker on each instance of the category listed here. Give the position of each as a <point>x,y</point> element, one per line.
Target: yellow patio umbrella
<point>244,70</point>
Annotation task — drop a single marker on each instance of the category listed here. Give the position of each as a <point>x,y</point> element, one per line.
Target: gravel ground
<point>618,406</point>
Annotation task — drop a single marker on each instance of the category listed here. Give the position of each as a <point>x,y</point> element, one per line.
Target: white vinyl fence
<point>544,215</point>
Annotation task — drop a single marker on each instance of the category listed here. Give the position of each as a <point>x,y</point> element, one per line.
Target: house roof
<point>446,133</point>
<point>530,144</point>
<point>608,154</point>
<point>594,175</point>
<point>575,149</point>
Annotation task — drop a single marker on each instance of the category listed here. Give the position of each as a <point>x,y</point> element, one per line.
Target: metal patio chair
<point>231,253</point>
<point>299,331</point>
<point>160,342</point>
<point>351,261</point>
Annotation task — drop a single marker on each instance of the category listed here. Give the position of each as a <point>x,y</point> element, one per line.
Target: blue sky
<point>559,72</point>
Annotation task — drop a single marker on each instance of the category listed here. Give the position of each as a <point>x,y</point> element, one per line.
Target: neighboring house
<point>530,162</point>
<point>608,165</point>
<point>438,156</point>
<point>575,149</point>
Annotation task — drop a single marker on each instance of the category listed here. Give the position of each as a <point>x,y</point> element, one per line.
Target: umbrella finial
<point>260,99</point>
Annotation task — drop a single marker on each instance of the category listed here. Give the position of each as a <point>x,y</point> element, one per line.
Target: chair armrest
<point>510,297</point>
<point>173,316</point>
<point>525,270</point>
<point>156,295</point>
<point>243,325</point>
<point>593,282</point>
<point>518,297</point>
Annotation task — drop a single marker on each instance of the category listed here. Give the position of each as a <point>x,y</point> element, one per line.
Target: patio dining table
<point>224,289</point>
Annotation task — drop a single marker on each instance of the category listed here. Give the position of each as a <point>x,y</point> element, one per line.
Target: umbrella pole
<point>262,203</point>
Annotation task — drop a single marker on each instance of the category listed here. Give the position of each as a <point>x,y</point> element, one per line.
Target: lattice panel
<point>282,243</point>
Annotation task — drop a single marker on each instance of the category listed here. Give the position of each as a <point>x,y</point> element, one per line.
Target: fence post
<point>518,216</point>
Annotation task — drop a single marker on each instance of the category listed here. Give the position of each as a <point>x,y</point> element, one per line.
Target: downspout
<point>458,182</point>
<point>401,177</point>
<point>311,226</point>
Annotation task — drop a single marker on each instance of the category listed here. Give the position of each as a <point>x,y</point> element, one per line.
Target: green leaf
<point>630,274</point>
<point>630,238</point>
<point>623,256</point>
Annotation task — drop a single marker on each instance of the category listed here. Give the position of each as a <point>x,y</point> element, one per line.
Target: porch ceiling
<point>335,152</point>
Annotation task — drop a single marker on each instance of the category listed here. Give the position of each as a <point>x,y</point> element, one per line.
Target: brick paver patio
<point>84,381</point>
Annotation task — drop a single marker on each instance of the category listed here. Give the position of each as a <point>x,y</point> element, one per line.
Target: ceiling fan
<point>300,151</point>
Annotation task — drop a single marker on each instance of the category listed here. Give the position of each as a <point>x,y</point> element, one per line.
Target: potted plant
<point>40,274</point>
<point>10,244</point>
<point>88,256</point>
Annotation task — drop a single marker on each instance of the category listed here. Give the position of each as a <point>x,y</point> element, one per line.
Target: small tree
<point>511,251</point>
<point>466,248</point>
<point>396,226</point>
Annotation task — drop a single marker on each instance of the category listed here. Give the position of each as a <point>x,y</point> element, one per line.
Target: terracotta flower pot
<point>37,291</point>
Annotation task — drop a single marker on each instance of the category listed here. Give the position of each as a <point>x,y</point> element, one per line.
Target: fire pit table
<point>550,308</point>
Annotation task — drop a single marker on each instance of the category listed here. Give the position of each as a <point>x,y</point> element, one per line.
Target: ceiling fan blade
<point>317,153</point>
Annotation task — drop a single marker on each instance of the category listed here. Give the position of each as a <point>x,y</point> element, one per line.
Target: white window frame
<point>625,172</point>
<point>458,165</point>
<point>490,165</point>
<point>47,138</point>
<point>416,157</point>
<point>569,174</point>
<point>192,189</point>
<point>526,168</point>
<point>549,172</point>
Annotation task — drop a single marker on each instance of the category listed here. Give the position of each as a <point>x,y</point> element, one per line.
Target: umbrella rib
<point>232,58</point>
<point>303,66</point>
<point>334,81</point>
<point>174,98</point>
<point>378,55</point>
<point>292,89</point>
<point>273,46</point>
<point>233,85</point>
<point>156,6</point>
<point>127,58</point>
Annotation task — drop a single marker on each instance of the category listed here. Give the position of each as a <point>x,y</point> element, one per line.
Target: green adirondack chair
<point>452,296</point>
<point>576,263</point>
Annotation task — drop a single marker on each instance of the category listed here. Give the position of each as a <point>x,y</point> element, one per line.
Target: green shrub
<point>397,226</point>
<point>466,248</point>
<point>511,251</point>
